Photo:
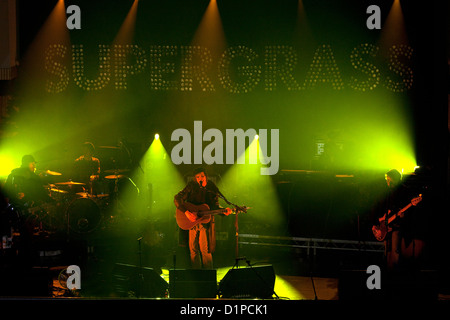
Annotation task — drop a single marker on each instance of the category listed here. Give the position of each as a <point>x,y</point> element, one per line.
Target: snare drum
<point>100,188</point>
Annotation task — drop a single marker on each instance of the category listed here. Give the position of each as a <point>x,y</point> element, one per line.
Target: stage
<point>287,287</point>
<point>296,149</point>
<point>272,268</point>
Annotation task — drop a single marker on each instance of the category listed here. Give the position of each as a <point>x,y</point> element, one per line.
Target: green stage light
<point>158,180</point>
<point>245,183</point>
<point>371,134</point>
<point>7,163</point>
<point>11,153</point>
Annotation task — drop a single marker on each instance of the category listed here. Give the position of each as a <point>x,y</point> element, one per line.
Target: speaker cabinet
<point>192,283</point>
<point>407,285</point>
<point>248,282</point>
<point>30,282</point>
<point>352,285</point>
<point>414,285</point>
<point>142,282</point>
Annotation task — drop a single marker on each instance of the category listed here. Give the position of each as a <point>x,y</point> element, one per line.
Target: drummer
<point>87,167</point>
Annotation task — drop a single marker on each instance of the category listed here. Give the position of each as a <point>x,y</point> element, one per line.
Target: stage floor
<point>287,287</point>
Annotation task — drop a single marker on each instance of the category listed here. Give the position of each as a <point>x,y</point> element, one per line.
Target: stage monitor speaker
<point>30,282</point>
<point>352,285</point>
<point>248,282</point>
<point>192,283</point>
<point>413,285</point>
<point>142,282</point>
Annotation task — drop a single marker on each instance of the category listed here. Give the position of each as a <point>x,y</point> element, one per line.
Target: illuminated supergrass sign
<point>239,69</point>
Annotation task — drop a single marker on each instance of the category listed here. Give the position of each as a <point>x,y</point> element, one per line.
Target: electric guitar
<point>203,214</point>
<point>383,228</point>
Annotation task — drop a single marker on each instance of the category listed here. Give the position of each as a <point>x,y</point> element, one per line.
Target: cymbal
<point>116,171</point>
<point>83,194</point>
<point>53,173</point>
<point>114,176</point>
<point>70,183</point>
<point>58,190</point>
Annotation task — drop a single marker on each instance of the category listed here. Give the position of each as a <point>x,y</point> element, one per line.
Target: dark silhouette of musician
<point>87,167</point>
<point>27,199</point>
<point>199,191</point>
<point>24,187</point>
<point>402,243</point>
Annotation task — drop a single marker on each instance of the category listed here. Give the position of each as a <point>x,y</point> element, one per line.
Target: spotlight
<point>156,136</point>
<point>256,137</point>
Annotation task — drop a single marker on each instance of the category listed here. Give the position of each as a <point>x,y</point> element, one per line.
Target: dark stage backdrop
<point>344,97</point>
<point>311,69</point>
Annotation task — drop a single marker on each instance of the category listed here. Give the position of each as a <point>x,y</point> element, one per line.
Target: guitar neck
<point>211,212</point>
<point>392,218</point>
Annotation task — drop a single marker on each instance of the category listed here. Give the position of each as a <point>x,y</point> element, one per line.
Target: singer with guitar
<point>200,193</point>
<point>393,220</point>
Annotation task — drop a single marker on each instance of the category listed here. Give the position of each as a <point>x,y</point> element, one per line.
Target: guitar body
<point>186,224</point>
<point>380,232</point>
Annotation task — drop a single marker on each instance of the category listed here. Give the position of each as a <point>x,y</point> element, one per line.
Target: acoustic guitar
<point>203,214</point>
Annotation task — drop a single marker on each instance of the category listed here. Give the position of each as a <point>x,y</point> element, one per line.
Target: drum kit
<point>83,207</point>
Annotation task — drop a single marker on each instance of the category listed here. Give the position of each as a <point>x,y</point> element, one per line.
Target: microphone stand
<point>237,258</point>
<point>236,221</point>
<point>236,226</point>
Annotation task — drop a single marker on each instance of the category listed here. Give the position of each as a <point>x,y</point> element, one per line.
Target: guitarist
<point>199,191</point>
<point>398,242</point>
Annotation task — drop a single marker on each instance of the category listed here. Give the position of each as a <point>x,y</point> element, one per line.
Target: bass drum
<point>84,215</point>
